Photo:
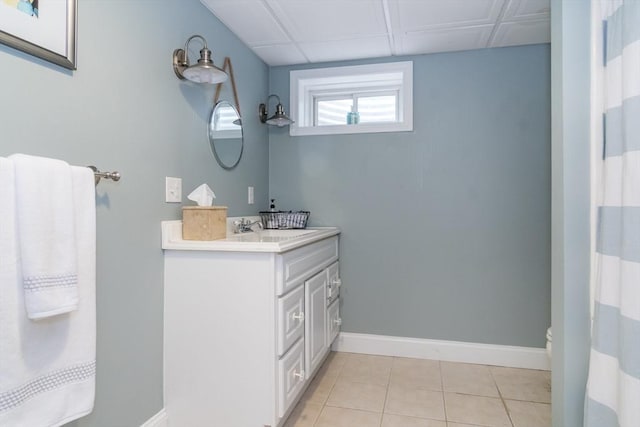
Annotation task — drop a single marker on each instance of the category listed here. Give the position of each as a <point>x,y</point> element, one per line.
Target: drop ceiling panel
<point>313,21</point>
<point>280,54</point>
<point>526,9</point>
<point>250,20</point>
<point>414,15</point>
<point>286,32</point>
<point>370,47</point>
<point>446,40</point>
<point>521,33</point>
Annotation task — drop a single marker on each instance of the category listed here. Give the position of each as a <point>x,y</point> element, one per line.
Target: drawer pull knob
<point>299,316</point>
<point>337,282</point>
<point>337,321</point>
<point>299,375</point>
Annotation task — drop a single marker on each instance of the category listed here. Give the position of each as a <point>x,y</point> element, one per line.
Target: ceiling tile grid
<point>326,20</point>
<point>416,15</point>
<point>527,9</point>
<point>518,33</point>
<point>343,50</point>
<point>284,32</point>
<point>444,40</point>
<point>250,20</point>
<point>283,54</point>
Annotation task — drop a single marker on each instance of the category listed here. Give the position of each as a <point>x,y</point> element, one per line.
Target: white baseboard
<point>158,420</point>
<point>450,351</point>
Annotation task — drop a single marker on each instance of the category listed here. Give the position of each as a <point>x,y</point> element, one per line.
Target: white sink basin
<point>285,232</point>
<point>270,235</point>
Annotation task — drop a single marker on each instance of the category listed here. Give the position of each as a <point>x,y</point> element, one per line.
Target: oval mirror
<point>225,135</point>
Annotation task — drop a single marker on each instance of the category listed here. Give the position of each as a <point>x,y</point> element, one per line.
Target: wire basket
<point>284,219</point>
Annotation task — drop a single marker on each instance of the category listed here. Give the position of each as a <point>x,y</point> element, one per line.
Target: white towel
<point>44,203</point>
<point>47,367</point>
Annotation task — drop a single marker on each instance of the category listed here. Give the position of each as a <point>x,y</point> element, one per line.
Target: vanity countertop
<point>277,241</point>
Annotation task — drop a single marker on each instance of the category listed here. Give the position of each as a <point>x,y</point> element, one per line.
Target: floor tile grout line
<point>324,404</point>
<point>338,378</point>
<point>321,406</point>
<point>347,380</point>
<point>386,394</point>
<point>444,402</point>
<point>504,403</point>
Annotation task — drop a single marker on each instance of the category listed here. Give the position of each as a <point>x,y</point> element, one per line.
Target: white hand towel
<point>47,367</point>
<point>44,203</point>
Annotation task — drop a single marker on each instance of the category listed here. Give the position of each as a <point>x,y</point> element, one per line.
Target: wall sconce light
<point>279,119</point>
<point>202,72</point>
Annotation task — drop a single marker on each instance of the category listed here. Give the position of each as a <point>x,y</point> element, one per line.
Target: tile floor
<point>359,390</point>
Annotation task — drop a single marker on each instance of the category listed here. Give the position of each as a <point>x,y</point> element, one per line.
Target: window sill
<point>351,129</point>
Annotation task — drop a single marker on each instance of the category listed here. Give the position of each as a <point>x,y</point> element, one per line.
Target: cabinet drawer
<point>291,377</point>
<point>290,319</point>
<point>300,264</point>
<point>333,321</point>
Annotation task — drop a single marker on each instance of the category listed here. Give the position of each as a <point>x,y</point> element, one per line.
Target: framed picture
<point>43,28</point>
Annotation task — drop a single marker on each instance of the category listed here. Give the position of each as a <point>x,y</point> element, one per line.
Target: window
<point>371,108</point>
<point>225,124</point>
<point>381,95</point>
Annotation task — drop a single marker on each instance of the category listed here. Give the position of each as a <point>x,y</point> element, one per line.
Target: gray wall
<point>124,109</point>
<point>446,229</point>
<point>570,38</point>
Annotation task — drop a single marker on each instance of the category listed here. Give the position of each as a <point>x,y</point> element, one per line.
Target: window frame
<point>345,82</point>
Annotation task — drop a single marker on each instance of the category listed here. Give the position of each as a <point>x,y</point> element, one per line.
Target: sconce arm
<point>186,47</point>
<point>263,108</point>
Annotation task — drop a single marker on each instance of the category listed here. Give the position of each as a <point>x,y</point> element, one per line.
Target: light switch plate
<point>173,190</point>
<point>250,199</point>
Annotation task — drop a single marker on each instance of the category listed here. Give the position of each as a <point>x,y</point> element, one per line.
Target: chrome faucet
<point>244,225</point>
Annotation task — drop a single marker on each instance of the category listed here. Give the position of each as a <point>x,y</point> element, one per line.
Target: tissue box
<point>204,222</point>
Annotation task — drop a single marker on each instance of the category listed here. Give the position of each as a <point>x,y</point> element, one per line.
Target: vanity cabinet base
<point>235,339</point>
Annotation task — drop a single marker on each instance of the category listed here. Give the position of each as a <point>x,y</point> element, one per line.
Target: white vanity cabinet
<point>245,331</point>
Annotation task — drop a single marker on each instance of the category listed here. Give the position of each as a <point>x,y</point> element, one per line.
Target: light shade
<point>202,72</point>
<point>279,119</point>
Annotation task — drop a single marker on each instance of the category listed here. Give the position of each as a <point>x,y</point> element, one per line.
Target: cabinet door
<point>315,321</point>
<point>333,322</point>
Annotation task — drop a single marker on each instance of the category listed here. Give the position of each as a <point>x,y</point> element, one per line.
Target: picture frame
<point>48,32</point>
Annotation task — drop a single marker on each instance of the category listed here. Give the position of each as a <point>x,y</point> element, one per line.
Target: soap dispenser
<point>353,117</point>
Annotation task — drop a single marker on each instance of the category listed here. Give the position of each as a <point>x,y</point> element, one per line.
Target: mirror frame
<point>212,140</point>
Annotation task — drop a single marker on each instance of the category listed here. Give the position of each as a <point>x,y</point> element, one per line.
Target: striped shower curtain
<point>613,389</point>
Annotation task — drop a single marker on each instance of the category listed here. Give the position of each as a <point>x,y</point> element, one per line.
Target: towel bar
<point>114,176</point>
